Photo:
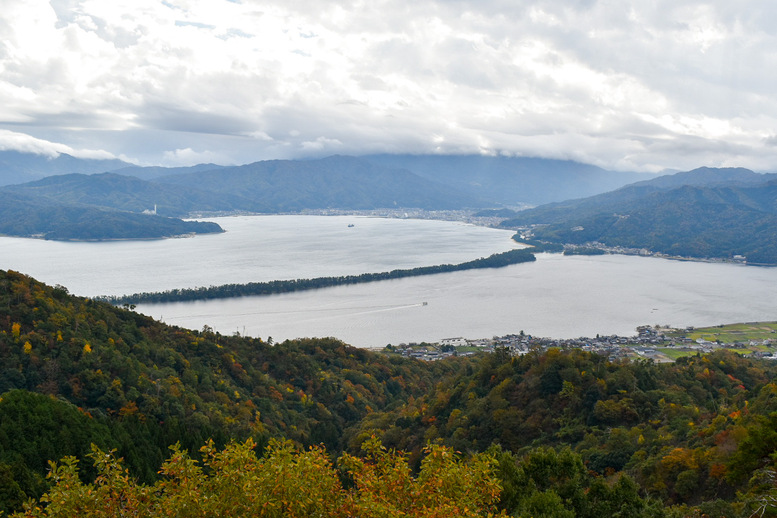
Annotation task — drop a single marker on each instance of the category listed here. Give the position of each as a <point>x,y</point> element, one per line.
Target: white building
<point>456,342</point>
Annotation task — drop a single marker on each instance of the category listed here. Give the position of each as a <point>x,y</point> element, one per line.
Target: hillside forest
<point>106,412</point>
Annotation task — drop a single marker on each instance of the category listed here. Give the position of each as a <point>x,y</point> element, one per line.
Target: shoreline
<point>659,255</point>
<point>466,216</point>
<point>115,239</point>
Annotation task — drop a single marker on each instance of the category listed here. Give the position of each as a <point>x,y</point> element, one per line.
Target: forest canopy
<point>557,432</point>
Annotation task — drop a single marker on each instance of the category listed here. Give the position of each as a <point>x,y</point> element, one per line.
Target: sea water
<point>556,296</point>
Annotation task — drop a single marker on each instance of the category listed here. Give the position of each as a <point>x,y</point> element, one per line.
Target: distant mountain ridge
<point>154,172</point>
<point>615,200</point>
<point>427,182</point>
<point>335,182</point>
<point>512,181</point>
<point>128,193</point>
<point>56,207</point>
<point>18,167</point>
<point>485,181</point>
<point>709,177</point>
<point>704,213</point>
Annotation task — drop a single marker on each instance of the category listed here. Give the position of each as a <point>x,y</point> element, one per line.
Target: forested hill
<point>681,217</point>
<point>153,172</point>
<point>109,205</point>
<point>512,181</point>
<point>570,433</point>
<point>26,216</point>
<point>700,433</point>
<point>85,372</point>
<point>340,182</point>
<point>129,194</point>
<point>618,198</point>
<point>419,181</point>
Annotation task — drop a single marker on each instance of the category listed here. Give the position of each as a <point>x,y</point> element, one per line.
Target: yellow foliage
<point>27,347</point>
<point>680,458</point>
<point>284,482</point>
<point>16,329</point>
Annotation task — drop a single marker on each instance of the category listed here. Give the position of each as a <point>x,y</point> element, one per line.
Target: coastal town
<point>656,343</point>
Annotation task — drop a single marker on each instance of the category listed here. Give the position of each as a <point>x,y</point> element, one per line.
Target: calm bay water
<point>556,296</point>
<point>254,249</point>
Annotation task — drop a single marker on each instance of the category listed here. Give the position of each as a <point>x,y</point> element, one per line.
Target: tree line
<point>285,286</point>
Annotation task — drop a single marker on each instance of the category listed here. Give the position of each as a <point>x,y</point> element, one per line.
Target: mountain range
<point>707,212</point>
<point>468,180</point>
<point>130,194</point>
<point>336,182</point>
<point>19,167</point>
<point>704,213</point>
<point>512,181</point>
<point>272,186</point>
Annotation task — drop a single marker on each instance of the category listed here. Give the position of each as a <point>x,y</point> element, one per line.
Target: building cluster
<point>465,216</point>
<point>644,252</point>
<point>644,345</point>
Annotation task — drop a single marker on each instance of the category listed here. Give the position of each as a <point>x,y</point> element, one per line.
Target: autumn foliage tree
<point>138,386</point>
<point>285,482</point>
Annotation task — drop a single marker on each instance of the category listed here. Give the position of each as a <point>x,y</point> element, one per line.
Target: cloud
<point>198,25</point>
<point>179,118</point>
<point>187,157</point>
<point>13,141</point>
<point>631,85</point>
<point>322,143</point>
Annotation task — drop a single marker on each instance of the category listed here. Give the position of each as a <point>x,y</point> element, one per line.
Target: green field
<point>730,333</point>
<point>727,334</point>
<point>675,353</point>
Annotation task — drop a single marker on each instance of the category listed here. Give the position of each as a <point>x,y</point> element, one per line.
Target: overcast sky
<point>628,85</point>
